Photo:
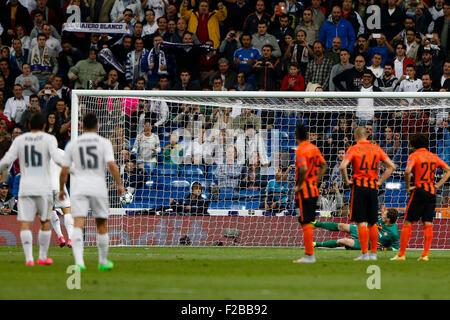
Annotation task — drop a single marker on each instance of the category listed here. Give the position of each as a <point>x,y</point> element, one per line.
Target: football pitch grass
<point>224,273</point>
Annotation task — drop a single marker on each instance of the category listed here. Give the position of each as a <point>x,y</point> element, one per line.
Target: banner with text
<point>95,27</point>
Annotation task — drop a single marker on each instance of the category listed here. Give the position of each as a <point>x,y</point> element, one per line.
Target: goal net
<point>218,168</point>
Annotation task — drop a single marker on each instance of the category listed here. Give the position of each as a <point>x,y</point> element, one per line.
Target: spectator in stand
<point>228,76</point>
<point>120,10</point>
<point>112,81</point>
<point>204,23</point>
<point>147,147</point>
<point>391,143</point>
<point>414,121</point>
<point>266,70</point>
<point>340,137</point>
<point>4,86</point>
<point>280,26</point>
<point>249,142</point>
<point>409,83</point>
<point>237,12</point>
<point>39,21</point>
<point>51,42</point>
<point>43,60</point>
<point>173,153</point>
<point>442,77</point>
<point>441,28</point>
<point>185,82</point>
<point>67,58</point>
<point>194,204</point>
<point>251,178</point>
<point>5,143</point>
<point>50,15</point>
<point>262,38</point>
<point>426,83</point>
<point>401,61</point>
<point>32,107</point>
<point>318,12</point>
<point>228,172</point>
<point>254,19</point>
<point>62,91</point>
<point>18,56</point>
<point>245,57</point>
<point>87,70</point>
<point>121,50</point>
<point>13,14</point>
<point>277,193</point>
<point>333,52</point>
<point>412,45</point>
<point>191,119</point>
<point>230,44</point>
<point>8,205</point>
<point>133,177</point>
<point>242,84</point>
<point>352,77</point>
<point>293,81</point>
<point>163,83</point>
<point>429,65</point>
<point>344,64</point>
<point>181,30</point>
<point>311,29</point>
<point>16,105</point>
<point>156,63</point>
<point>388,82</point>
<point>376,67</point>
<point>150,25</point>
<point>159,6</point>
<point>319,68</point>
<point>208,64</point>
<point>361,48</point>
<point>9,75</point>
<point>392,17</point>
<point>48,98</point>
<point>422,18</point>
<point>383,48</point>
<point>52,128</point>
<point>353,17</point>
<point>133,68</point>
<point>24,37</point>
<point>336,26</point>
<point>29,82</point>
<point>436,11</point>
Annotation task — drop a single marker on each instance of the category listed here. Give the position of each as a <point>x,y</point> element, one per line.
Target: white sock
<point>68,223</point>
<point>44,242</point>
<point>27,243</point>
<point>54,220</point>
<point>103,245</point>
<point>78,246</point>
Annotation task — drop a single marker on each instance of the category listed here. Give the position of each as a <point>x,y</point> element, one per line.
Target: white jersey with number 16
<point>88,156</point>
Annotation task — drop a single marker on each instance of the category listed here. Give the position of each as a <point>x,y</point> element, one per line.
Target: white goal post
<point>240,213</point>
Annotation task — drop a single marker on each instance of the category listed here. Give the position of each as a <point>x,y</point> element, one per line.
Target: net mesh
<point>221,170</point>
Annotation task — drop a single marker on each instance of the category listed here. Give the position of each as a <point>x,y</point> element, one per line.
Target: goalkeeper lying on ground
<point>388,235</point>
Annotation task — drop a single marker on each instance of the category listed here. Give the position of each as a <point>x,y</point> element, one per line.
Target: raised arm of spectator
<point>338,79</point>
<point>184,12</point>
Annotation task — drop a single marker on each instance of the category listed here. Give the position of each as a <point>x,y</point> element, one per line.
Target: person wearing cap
<point>8,204</point>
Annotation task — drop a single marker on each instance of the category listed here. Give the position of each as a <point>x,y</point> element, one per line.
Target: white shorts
<point>81,205</point>
<point>29,206</point>
<point>58,203</point>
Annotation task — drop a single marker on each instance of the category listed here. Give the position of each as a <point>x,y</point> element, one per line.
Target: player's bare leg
<point>26,238</point>
<point>103,245</point>
<point>77,242</point>
<point>404,239</point>
<point>68,223</point>
<point>428,238</point>
<point>44,242</point>
<point>363,235</point>
<point>56,224</point>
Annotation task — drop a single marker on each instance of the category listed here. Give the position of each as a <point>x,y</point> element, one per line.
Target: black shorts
<point>306,209</point>
<point>421,205</point>
<point>364,205</point>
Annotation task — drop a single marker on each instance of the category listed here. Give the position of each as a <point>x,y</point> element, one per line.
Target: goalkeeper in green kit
<point>388,235</point>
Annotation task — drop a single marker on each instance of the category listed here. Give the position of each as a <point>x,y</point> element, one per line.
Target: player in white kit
<point>34,149</point>
<point>63,205</point>
<point>88,155</point>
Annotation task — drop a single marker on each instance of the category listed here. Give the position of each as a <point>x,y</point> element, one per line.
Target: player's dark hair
<point>37,121</point>
<point>419,140</point>
<point>392,215</point>
<point>90,121</point>
<point>301,133</point>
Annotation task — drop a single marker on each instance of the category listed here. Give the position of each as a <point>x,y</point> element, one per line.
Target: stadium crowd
<point>309,45</point>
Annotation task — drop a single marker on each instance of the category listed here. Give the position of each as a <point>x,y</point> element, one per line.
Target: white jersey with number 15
<point>88,156</point>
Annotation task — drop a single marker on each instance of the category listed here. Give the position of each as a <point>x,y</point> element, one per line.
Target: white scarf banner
<point>95,27</point>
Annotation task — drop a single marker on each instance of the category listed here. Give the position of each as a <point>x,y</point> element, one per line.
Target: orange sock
<point>428,238</point>
<point>404,239</point>
<point>308,239</point>
<point>363,235</point>
<point>373,236</point>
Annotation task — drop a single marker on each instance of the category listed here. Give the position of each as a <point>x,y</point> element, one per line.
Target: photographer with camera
<point>128,14</point>
<point>267,71</point>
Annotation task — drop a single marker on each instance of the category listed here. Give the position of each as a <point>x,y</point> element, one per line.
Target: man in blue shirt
<point>245,57</point>
<point>336,26</point>
<point>276,193</point>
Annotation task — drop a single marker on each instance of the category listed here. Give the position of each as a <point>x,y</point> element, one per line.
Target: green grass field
<point>224,273</point>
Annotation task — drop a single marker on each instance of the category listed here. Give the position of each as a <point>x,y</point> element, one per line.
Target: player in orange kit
<point>422,202</point>
<point>310,168</point>
<point>365,158</point>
